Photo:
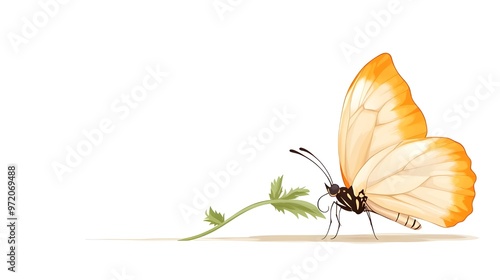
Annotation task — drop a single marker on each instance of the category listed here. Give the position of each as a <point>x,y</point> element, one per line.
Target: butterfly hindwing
<point>428,178</point>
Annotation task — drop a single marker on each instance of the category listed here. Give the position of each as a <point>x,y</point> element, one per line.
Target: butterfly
<point>389,166</point>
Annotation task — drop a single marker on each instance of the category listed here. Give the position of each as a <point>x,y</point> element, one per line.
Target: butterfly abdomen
<point>407,221</point>
<point>399,218</point>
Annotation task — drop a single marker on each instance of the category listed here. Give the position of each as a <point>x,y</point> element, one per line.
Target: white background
<point>228,73</point>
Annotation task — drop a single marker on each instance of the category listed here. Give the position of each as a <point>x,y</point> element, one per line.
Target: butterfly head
<point>333,189</point>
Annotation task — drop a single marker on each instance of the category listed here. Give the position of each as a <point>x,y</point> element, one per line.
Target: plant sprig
<point>282,201</point>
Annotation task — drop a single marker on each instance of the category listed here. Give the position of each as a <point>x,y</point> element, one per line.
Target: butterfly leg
<point>371,224</point>
<point>330,225</point>
<point>337,213</point>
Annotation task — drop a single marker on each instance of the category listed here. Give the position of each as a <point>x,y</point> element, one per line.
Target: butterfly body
<point>388,163</point>
<point>348,201</point>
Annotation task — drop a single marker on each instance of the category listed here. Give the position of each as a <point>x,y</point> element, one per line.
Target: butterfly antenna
<point>305,150</point>
<point>299,153</point>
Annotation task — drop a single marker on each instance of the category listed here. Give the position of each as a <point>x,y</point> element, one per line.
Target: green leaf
<point>213,217</point>
<point>298,207</point>
<point>276,189</point>
<point>294,193</point>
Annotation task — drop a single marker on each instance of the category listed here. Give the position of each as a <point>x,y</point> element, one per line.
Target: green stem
<point>246,209</point>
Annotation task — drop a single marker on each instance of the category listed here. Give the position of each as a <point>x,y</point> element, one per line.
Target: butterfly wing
<point>429,178</point>
<point>378,112</point>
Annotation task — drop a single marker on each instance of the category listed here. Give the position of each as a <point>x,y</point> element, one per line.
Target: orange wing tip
<point>462,204</point>
<point>382,57</point>
<point>462,208</point>
<point>454,218</point>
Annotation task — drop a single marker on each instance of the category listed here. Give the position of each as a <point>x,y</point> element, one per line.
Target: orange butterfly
<point>389,166</point>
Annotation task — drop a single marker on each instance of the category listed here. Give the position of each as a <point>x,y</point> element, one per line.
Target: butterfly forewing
<point>378,112</point>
